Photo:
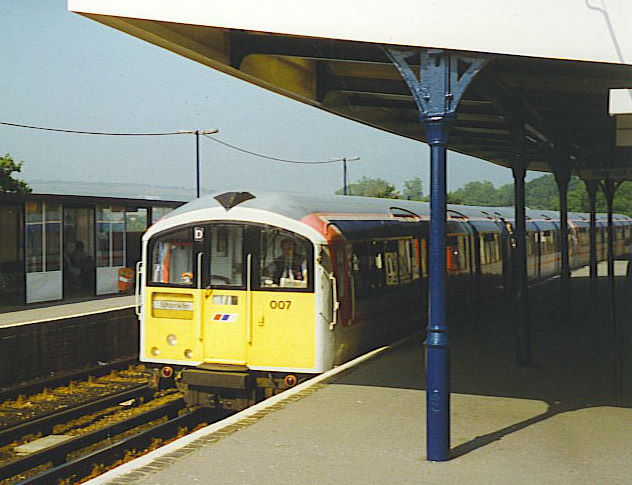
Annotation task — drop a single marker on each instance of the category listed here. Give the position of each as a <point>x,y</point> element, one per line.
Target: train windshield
<point>219,255</point>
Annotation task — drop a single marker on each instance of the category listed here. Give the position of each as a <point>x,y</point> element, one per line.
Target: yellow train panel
<point>262,329</point>
<point>225,318</point>
<point>283,330</point>
<point>170,326</point>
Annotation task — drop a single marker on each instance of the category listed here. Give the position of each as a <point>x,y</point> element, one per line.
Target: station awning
<point>554,62</point>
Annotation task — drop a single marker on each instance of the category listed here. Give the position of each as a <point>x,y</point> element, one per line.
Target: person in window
<point>289,265</point>
<point>82,263</point>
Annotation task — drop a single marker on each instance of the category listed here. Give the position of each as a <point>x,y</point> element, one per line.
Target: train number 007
<point>280,304</point>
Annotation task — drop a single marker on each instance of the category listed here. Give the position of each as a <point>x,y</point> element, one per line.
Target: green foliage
<point>413,189</point>
<point>371,187</point>
<point>7,182</point>
<point>475,193</point>
<point>540,193</point>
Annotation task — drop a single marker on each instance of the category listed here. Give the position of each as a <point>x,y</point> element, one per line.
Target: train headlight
<point>188,353</point>
<point>155,351</point>
<point>171,339</point>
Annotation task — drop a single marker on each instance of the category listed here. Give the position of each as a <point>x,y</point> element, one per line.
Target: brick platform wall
<point>37,350</point>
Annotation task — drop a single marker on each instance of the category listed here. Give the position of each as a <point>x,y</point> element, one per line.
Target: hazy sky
<point>65,71</point>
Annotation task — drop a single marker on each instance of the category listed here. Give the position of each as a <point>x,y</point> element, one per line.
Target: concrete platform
<point>59,310</point>
<point>565,420</point>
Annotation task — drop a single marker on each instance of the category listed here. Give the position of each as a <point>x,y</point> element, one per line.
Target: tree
<point>475,193</point>
<point>371,187</point>
<point>413,189</point>
<point>7,182</point>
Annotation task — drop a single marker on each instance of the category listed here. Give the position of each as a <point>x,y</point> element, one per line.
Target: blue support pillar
<point>610,188</point>
<point>523,334</point>
<point>562,168</point>
<point>519,170</point>
<point>443,77</point>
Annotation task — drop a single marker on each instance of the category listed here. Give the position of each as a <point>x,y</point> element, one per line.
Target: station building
<point>61,247</point>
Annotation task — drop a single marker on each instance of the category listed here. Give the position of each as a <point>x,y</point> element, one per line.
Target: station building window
<point>11,263</point>
<point>159,212</point>
<point>43,228</point>
<point>110,236</point>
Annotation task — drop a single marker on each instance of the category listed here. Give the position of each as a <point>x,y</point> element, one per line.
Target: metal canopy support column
<point>562,177</point>
<point>519,170</point>
<point>443,77</point>
<point>591,188</point>
<point>610,188</point>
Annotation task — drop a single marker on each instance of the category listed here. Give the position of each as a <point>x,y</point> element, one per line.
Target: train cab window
<point>284,260</point>
<point>172,259</point>
<point>226,256</point>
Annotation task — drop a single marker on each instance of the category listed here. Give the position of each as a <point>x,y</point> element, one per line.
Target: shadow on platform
<point>579,364</point>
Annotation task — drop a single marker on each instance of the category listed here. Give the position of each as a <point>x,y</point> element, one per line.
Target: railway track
<point>85,466</point>
<point>38,385</point>
<point>45,424</point>
<point>77,455</point>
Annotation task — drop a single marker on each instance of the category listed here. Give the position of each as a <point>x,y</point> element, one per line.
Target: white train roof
<point>297,206</point>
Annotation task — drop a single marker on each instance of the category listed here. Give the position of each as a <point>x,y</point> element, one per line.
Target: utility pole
<point>344,161</point>
<point>197,134</point>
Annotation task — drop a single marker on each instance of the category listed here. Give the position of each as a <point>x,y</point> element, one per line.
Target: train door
<point>282,331</point>
<point>226,262</point>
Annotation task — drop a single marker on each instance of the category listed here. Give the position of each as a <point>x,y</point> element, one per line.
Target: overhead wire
<point>79,132</point>
<point>284,160</point>
<point>234,147</point>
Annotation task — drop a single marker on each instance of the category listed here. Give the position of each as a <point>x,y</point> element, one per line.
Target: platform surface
<point>565,420</point>
<point>57,310</point>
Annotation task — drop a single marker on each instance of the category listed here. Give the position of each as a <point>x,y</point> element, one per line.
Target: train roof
<point>297,206</point>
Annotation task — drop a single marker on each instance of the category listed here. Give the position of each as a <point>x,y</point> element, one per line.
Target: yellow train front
<point>229,307</point>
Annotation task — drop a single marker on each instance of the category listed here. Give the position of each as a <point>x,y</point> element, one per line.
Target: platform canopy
<point>562,69</point>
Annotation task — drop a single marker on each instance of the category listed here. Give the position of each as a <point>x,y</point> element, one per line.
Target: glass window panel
<point>53,212</point>
<point>33,212</point>
<point>136,221</point>
<point>34,238</point>
<point>226,261</point>
<point>118,241</point>
<point>53,245</point>
<point>283,259</point>
<point>172,259</point>
<point>103,244</point>
<point>158,212</point>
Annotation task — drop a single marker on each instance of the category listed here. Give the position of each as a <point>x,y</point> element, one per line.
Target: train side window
<point>405,262</point>
<point>284,260</point>
<point>360,268</point>
<point>416,259</point>
<point>172,259</point>
<point>377,276</point>
<point>391,263</point>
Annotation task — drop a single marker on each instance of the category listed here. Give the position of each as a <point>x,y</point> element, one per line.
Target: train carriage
<point>243,295</point>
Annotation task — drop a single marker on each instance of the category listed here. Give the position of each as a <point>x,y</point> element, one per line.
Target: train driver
<point>289,267</point>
